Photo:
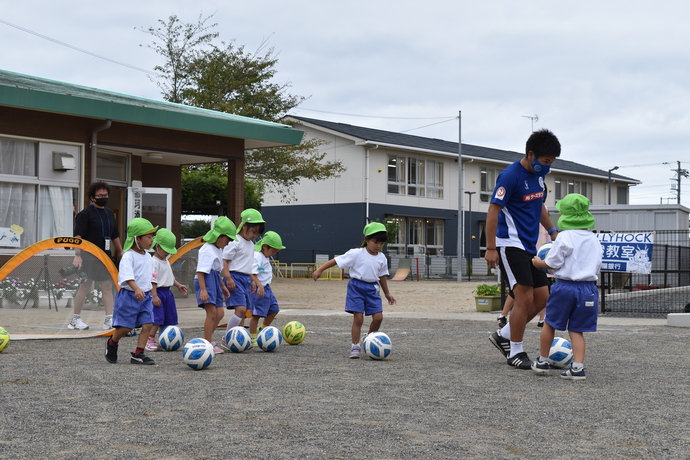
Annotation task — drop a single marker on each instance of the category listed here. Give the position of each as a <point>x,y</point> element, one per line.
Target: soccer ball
<point>4,339</point>
<point>269,338</point>
<point>237,339</point>
<point>294,332</point>
<point>171,338</point>
<point>561,353</point>
<point>543,251</point>
<point>377,345</point>
<point>198,354</point>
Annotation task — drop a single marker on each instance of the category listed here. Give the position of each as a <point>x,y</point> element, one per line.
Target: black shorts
<point>94,268</point>
<point>516,268</point>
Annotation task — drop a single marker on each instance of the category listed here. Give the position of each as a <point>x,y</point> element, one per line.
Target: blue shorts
<point>130,312</point>
<point>363,297</point>
<point>240,296</point>
<point>166,313</point>
<point>264,306</point>
<point>213,287</point>
<point>573,306</point>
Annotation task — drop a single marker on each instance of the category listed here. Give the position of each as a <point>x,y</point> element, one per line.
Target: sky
<point>611,79</point>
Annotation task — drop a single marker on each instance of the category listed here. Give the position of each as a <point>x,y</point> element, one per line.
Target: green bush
<point>484,290</point>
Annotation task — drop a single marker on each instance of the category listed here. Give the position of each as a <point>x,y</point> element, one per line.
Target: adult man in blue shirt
<point>512,229</point>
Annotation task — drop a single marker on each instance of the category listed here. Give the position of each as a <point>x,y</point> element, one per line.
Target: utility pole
<point>679,172</point>
<point>461,228</point>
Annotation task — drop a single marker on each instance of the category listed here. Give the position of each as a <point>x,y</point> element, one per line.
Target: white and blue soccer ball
<point>543,251</point>
<point>561,353</point>
<point>237,339</point>
<point>198,354</point>
<point>377,345</point>
<point>171,338</point>
<point>269,338</point>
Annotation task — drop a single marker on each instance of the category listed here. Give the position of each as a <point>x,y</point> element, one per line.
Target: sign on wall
<point>627,252</point>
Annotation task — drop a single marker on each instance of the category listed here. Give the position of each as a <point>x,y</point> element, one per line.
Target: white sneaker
<point>78,324</point>
<point>108,323</point>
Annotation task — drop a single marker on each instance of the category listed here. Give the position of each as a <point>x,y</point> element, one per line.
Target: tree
<point>229,79</point>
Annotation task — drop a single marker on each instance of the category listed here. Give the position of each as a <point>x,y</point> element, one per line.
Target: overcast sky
<point>610,78</point>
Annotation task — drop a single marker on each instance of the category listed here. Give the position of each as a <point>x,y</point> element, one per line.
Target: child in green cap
<point>575,259</point>
<point>238,257</point>
<point>208,285</point>
<point>263,303</point>
<point>368,271</point>
<point>133,307</point>
<point>164,306</point>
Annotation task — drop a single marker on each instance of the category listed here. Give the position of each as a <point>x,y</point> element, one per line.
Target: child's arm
<point>203,293</point>
<point>180,287</point>
<point>256,286</point>
<point>138,293</point>
<point>226,274</point>
<point>538,262</point>
<point>384,287</point>
<point>319,271</point>
<point>154,294</point>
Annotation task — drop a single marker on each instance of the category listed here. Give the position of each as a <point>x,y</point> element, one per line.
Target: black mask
<point>101,201</point>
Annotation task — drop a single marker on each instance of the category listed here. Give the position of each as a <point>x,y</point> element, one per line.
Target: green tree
<point>229,79</point>
<point>195,229</point>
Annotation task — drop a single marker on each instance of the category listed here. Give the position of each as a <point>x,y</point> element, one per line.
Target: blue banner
<point>627,252</point>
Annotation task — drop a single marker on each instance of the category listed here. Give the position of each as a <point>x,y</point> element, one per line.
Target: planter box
<point>488,303</point>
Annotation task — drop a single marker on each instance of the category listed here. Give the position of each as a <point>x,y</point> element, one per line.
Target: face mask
<point>101,201</point>
<point>540,169</point>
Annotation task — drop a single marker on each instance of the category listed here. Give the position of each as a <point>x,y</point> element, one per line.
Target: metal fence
<point>665,290</point>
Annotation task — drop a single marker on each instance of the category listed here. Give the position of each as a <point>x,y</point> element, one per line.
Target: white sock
<point>543,359</point>
<point>578,366</point>
<point>505,331</point>
<point>515,348</point>
<point>233,321</point>
<point>76,316</point>
<point>355,345</point>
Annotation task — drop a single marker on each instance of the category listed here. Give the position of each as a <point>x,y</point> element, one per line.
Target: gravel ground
<point>445,392</point>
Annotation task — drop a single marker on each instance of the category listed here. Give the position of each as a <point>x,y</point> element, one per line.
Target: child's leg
<point>269,319</point>
<point>253,325</point>
<point>211,321</point>
<point>545,340</point>
<point>237,318</point>
<point>357,321</point>
<point>144,336</point>
<point>376,320</point>
<point>577,340</point>
<point>120,332</point>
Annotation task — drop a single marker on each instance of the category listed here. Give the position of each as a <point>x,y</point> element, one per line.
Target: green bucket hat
<point>222,226</point>
<point>271,239</point>
<point>374,227</point>
<point>166,240</point>
<point>575,213</point>
<point>250,216</point>
<point>137,227</point>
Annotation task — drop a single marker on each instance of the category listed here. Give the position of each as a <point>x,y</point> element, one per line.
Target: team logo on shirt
<point>500,193</point>
<point>533,196</point>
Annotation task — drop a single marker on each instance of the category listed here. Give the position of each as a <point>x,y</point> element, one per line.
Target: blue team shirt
<point>521,195</point>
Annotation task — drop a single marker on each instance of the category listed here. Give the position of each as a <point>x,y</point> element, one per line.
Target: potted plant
<point>487,297</point>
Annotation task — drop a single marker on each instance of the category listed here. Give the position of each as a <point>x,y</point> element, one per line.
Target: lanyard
<point>102,225</point>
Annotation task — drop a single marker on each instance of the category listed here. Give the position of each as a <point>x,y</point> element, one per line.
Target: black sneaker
<point>501,343</point>
<point>521,361</point>
<point>110,352</point>
<point>501,321</point>
<point>141,358</point>
<point>540,323</point>
<point>572,374</point>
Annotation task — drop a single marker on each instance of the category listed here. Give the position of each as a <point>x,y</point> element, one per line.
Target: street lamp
<point>469,246</point>
<point>612,169</point>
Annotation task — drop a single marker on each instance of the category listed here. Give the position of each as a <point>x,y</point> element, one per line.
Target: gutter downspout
<point>94,145</point>
<point>366,183</point>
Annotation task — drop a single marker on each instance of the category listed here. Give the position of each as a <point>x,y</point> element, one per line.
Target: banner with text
<point>627,252</point>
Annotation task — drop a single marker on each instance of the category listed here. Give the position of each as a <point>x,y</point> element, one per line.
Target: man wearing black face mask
<point>512,230</point>
<point>96,224</point>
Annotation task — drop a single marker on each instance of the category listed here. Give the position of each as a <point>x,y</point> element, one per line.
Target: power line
<point>432,124</point>
<point>81,50</point>
<point>376,116</point>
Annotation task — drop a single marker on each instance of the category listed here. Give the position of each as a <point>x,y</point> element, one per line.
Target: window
<point>558,190</point>
<point>396,174</point>
<point>38,211</point>
<point>434,179</point>
<point>621,194</point>
<point>415,177</point>
<point>581,187</point>
<point>487,183</point>
<point>417,236</point>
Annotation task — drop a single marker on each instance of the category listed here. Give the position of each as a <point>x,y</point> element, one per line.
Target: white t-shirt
<point>363,266</point>
<point>262,268</point>
<point>240,255</point>
<point>162,272</point>
<point>135,267</point>
<point>575,256</point>
<point>210,257</point>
